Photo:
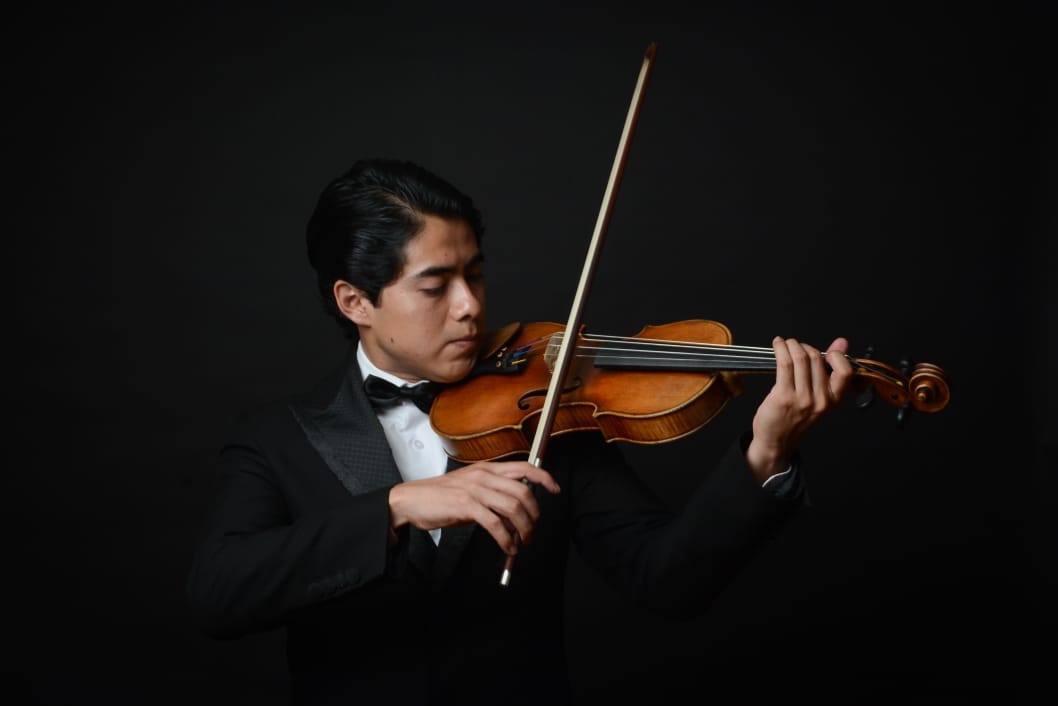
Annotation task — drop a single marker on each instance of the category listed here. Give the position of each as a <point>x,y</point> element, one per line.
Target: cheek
<point>421,326</point>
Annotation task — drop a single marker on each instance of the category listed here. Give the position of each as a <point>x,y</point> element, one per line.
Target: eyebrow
<point>441,271</point>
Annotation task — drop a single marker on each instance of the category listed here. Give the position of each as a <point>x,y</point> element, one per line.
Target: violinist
<point>343,520</point>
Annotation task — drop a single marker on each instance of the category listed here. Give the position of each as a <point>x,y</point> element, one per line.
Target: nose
<point>467,301</point>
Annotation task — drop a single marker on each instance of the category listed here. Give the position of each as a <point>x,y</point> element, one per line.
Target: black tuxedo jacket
<point>300,538</point>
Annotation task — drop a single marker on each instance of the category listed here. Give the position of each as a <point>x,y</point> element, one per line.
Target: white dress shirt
<point>417,448</point>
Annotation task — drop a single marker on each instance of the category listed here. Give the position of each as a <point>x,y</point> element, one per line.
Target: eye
<point>433,291</point>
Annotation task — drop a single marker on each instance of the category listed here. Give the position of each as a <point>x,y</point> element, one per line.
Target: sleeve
<point>278,544</point>
<point>786,484</point>
<point>676,563</point>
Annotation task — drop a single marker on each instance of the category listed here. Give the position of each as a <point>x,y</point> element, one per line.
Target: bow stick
<point>561,364</point>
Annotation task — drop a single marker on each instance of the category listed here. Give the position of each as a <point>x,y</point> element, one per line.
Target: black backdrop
<point>874,170</point>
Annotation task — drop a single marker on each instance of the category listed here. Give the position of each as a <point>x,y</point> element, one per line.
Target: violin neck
<point>632,354</point>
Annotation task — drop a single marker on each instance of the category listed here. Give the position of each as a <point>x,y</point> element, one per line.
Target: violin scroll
<point>925,389</point>
<point>929,388</point>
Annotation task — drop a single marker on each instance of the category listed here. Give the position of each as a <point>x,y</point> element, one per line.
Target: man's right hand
<point>494,494</point>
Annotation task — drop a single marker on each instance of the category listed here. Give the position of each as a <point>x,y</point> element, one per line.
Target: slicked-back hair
<point>365,217</point>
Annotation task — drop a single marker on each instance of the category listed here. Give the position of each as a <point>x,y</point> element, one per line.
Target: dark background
<point>879,171</point>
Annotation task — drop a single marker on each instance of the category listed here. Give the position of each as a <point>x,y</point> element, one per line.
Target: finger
<point>510,500</point>
<point>821,390</point>
<point>802,370</point>
<point>501,531</point>
<point>839,345</point>
<point>522,470</point>
<point>841,375</point>
<point>517,522</point>
<point>783,363</point>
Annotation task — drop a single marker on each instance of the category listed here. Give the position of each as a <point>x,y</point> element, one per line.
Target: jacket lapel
<point>347,435</point>
<point>343,428</point>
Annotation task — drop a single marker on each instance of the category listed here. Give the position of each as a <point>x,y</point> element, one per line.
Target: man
<point>344,521</point>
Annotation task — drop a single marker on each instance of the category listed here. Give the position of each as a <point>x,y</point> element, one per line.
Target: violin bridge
<point>551,353</point>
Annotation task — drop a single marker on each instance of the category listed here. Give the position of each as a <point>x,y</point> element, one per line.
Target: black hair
<point>364,218</point>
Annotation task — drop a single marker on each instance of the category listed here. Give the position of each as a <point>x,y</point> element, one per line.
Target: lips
<point>465,341</point>
<point>466,345</point>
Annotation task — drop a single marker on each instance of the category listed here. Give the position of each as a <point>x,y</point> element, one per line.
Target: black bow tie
<point>383,393</point>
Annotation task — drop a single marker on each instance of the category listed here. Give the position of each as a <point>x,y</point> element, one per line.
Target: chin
<point>454,373</point>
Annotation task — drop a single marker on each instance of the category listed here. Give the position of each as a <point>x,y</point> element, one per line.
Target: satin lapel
<point>348,437</point>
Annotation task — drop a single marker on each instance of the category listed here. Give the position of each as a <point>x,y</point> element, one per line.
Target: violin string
<point>659,349</point>
<point>719,356</point>
<point>656,345</point>
<point>665,343</point>
<point>652,349</point>
<point>690,352</point>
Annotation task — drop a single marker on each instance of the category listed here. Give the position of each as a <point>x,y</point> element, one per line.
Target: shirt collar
<point>369,368</point>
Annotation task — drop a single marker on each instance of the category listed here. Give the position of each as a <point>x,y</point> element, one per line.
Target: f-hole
<point>523,401</point>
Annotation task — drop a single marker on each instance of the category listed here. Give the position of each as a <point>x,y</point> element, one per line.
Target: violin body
<point>492,416</point>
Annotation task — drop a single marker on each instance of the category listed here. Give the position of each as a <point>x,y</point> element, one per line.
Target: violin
<point>662,384</point>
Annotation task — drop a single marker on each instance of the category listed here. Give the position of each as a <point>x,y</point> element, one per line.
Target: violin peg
<point>866,397</point>
<point>906,364</point>
<point>904,412</point>
<point>902,415</point>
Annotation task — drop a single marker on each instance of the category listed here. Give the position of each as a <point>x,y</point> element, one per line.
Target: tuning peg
<point>866,397</point>
<point>904,412</point>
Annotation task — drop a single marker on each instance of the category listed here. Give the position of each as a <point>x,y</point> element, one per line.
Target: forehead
<point>442,242</point>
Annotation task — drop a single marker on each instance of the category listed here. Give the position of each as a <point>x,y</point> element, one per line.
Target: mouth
<point>464,342</point>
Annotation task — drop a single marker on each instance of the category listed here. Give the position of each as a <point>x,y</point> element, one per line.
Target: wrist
<point>765,462</point>
<point>397,516</point>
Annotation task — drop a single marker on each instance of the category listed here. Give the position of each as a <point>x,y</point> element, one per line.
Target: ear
<point>353,304</point>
